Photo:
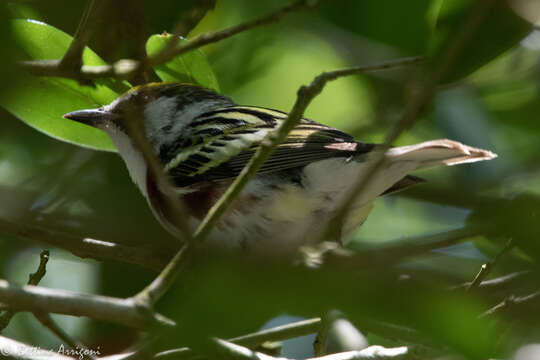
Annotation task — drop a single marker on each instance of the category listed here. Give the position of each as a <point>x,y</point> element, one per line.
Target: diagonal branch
<point>278,333</point>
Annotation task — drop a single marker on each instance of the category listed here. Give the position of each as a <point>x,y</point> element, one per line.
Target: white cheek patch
<point>132,157</point>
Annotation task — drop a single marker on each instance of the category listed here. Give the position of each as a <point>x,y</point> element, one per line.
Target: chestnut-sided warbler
<point>203,140</point>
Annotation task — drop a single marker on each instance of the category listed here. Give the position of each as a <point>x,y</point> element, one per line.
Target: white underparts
<point>132,157</point>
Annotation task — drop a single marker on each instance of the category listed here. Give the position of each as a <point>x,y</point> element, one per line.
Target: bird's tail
<point>439,152</point>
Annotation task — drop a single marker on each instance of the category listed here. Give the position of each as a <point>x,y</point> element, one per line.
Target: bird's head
<point>164,110</point>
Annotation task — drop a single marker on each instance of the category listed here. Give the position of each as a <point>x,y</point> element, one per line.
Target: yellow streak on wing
<point>274,113</point>
<point>248,118</point>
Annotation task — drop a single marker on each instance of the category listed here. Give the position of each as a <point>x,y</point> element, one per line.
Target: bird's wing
<point>223,141</point>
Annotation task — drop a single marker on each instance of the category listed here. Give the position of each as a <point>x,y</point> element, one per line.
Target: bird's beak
<point>92,117</point>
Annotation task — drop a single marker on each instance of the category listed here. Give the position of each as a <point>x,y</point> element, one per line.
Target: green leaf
<point>192,67</point>
<point>500,29</point>
<point>41,101</point>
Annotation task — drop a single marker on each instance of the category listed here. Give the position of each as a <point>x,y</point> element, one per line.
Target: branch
<point>511,302</point>
<point>122,70</point>
<point>374,352</point>
<point>503,282</point>
<point>278,333</point>
<point>229,350</point>
<point>388,255</point>
<point>121,311</point>
<point>35,278</point>
<point>88,248</point>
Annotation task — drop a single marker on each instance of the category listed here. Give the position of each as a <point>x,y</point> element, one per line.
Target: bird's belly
<point>276,220</point>
<point>275,214</point>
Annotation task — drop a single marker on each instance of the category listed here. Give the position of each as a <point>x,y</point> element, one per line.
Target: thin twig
<point>510,302</point>
<point>278,333</point>
<point>399,249</point>
<point>33,279</point>
<point>485,269</point>
<point>154,258</point>
<point>116,310</point>
<point>122,69</point>
<point>500,283</point>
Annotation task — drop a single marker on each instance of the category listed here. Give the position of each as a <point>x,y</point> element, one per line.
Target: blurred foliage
<point>498,23</point>
<point>491,99</point>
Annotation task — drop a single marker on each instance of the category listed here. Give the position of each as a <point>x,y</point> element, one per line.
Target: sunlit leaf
<point>41,102</point>
<point>191,67</point>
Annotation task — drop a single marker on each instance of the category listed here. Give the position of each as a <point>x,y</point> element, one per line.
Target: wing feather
<point>224,140</point>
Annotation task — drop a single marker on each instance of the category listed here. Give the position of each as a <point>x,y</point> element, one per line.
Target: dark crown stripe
<point>240,132</point>
<point>218,121</point>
